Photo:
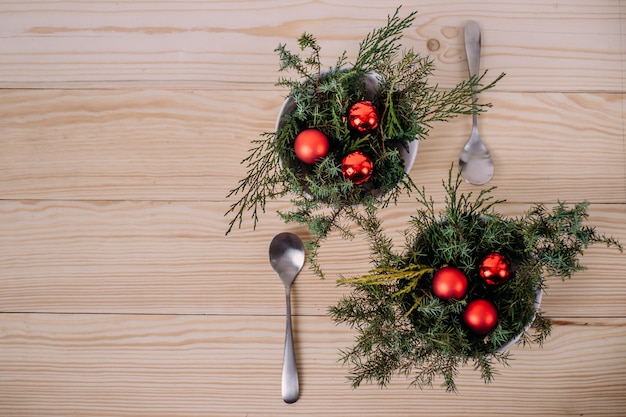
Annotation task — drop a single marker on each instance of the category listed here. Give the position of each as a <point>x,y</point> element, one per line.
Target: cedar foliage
<point>402,328</point>
<point>408,105</point>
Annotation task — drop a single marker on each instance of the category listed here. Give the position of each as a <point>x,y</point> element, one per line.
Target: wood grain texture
<point>122,128</point>
<point>171,145</point>
<point>542,45</point>
<point>103,365</point>
<point>163,257</point>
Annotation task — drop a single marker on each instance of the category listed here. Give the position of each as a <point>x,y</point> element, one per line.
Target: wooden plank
<point>543,46</point>
<point>173,258</point>
<point>122,125</point>
<point>157,366</point>
<point>187,145</point>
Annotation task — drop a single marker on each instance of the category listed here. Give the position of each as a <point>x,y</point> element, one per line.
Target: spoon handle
<point>472,47</point>
<point>290,385</point>
<point>472,50</point>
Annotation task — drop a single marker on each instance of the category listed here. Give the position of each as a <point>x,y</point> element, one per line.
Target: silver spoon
<point>475,160</point>
<point>287,259</point>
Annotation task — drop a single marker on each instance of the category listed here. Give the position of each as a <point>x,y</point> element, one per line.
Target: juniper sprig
<point>397,82</point>
<point>403,329</point>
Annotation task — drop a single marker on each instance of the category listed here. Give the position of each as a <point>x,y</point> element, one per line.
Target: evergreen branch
<point>381,45</point>
<point>262,182</point>
<point>385,276</point>
<point>403,329</point>
<point>307,68</point>
<point>321,99</point>
<point>559,237</point>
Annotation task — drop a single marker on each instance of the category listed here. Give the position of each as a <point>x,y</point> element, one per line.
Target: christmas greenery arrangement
<point>466,284</point>
<point>344,131</point>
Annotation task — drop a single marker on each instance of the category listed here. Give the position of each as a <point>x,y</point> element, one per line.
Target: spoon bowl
<point>475,161</point>
<point>287,258</point>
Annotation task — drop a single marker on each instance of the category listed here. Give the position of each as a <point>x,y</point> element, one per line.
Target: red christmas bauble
<point>495,269</point>
<point>449,282</point>
<point>480,316</point>
<point>311,145</point>
<point>363,116</point>
<point>357,167</point>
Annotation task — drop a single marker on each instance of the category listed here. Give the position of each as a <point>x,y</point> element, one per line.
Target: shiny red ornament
<point>480,316</point>
<point>357,167</point>
<point>495,269</point>
<point>449,282</point>
<point>311,145</point>
<point>363,116</point>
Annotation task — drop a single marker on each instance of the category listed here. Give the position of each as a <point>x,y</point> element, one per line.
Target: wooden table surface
<point>122,128</point>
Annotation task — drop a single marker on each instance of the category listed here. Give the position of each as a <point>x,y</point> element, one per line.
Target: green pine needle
<point>403,329</point>
<point>407,103</point>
